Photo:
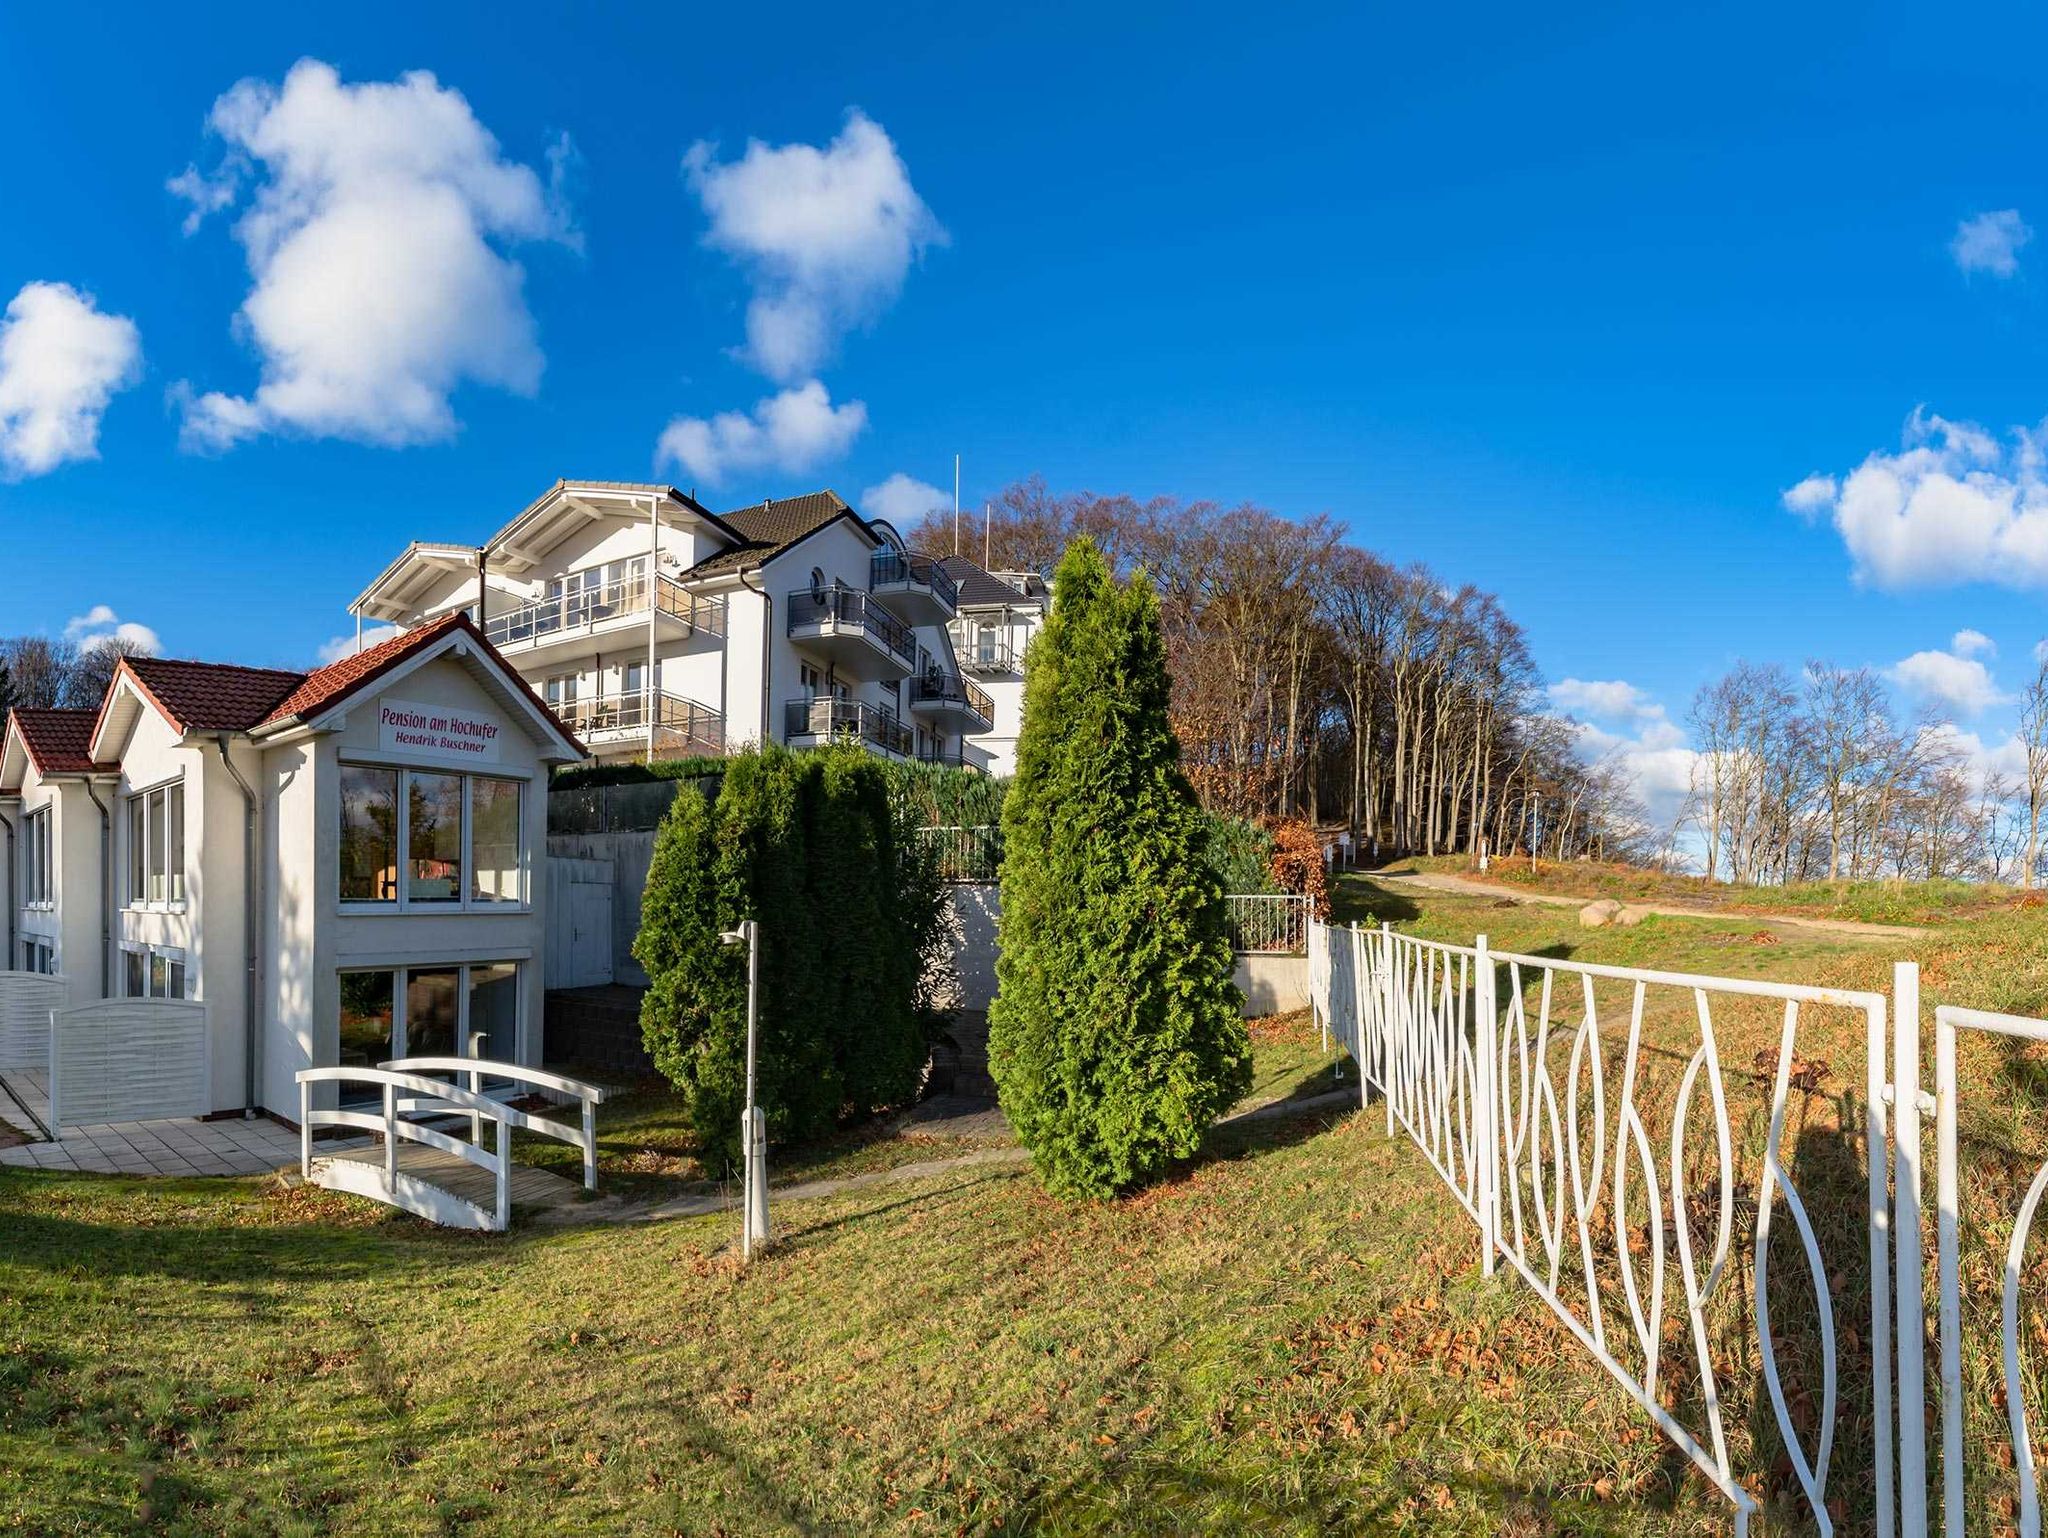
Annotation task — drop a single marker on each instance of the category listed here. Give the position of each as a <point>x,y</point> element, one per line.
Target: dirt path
<point>1465,886</point>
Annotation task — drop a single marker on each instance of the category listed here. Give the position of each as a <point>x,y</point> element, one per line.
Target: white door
<point>580,926</point>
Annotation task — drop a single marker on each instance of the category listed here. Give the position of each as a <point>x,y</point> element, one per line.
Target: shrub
<point>589,776</point>
<point>808,844</point>
<point>1296,863</point>
<point>1115,1037</point>
<point>1241,853</point>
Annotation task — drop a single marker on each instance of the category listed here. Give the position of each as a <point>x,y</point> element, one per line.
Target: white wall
<point>72,926</point>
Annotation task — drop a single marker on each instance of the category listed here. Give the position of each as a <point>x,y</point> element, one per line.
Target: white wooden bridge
<point>430,1171</point>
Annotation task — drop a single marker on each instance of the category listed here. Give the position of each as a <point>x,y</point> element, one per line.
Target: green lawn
<point>1290,1335</point>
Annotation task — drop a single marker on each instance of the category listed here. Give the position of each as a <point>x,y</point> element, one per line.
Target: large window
<point>156,847</point>
<point>462,837</point>
<point>38,882</point>
<point>152,972</point>
<point>434,1011</point>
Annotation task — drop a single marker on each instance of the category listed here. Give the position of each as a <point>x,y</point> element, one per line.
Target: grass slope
<point>1290,1335</point>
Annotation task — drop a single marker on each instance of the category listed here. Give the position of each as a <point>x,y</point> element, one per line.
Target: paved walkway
<point>182,1147</point>
<point>1465,886</point>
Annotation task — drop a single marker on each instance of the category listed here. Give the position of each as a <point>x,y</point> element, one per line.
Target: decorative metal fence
<point>1593,1124</point>
<point>1268,923</point>
<point>968,853</point>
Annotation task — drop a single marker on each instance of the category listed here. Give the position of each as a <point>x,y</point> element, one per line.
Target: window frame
<point>38,955</point>
<point>150,956</point>
<point>464,985</point>
<point>147,825</point>
<point>38,860</point>
<point>466,902</point>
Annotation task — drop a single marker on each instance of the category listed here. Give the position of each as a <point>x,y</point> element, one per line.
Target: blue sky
<point>1562,304</point>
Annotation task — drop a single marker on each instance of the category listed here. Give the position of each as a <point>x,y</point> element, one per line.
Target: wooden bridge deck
<point>532,1188</point>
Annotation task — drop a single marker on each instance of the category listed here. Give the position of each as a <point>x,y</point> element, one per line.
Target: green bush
<point>1241,854</point>
<point>808,844</point>
<point>1115,1038</point>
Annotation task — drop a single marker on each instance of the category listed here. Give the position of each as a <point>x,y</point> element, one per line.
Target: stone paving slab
<point>174,1148</point>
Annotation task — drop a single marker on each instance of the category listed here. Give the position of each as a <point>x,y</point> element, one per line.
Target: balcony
<point>951,754</point>
<point>984,652</point>
<point>853,631</point>
<point>812,723</point>
<point>609,725</point>
<point>570,622</point>
<point>916,586</point>
<point>951,698</point>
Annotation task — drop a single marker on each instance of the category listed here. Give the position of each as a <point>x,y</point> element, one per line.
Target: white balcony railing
<point>679,722</point>
<point>566,614</point>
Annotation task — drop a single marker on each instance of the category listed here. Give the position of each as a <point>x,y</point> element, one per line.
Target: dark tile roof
<point>58,741</point>
<point>979,588</point>
<point>768,527</point>
<point>210,696</point>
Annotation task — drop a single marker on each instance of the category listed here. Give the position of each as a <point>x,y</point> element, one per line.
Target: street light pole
<point>753,1125</point>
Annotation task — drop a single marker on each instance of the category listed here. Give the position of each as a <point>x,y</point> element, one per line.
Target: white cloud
<point>374,231</point>
<point>347,645</point>
<point>1969,643</point>
<point>1982,760</point>
<point>1812,496</point>
<point>1610,699</point>
<point>1991,242</point>
<point>1953,505</point>
<point>61,361</point>
<point>902,499</point>
<point>100,626</point>
<point>788,432</point>
<point>1949,678</point>
<point>826,237</point>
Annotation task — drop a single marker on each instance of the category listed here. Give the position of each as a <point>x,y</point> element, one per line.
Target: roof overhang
<point>127,698</point>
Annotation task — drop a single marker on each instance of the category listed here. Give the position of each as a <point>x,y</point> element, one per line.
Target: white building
<point>997,614</point>
<point>342,866</point>
<point>657,628</point>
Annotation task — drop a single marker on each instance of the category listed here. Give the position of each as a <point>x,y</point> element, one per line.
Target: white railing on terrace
<point>430,1096</point>
<point>1268,923</point>
<point>681,721</point>
<point>1539,1116</point>
<point>567,613</point>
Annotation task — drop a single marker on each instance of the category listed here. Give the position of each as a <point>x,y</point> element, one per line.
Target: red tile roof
<point>330,685</point>
<point>323,689</point>
<point>210,696</point>
<point>58,741</point>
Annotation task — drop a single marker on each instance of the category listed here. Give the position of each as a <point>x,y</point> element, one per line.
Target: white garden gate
<point>579,942</point>
<point>26,999</point>
<point>1711,1242</point>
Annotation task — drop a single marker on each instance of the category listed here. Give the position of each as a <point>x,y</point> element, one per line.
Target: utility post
<point>753,1125</point>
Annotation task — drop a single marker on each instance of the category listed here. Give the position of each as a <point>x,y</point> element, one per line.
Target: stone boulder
<point>1598,915</point>
<point>1629,917</point>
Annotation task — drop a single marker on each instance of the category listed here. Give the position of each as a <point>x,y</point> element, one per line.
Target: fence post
<point>1489,1119</point>
<point>1389,1020</point>
<point>1359,976</point>
<point>1909,1307</point>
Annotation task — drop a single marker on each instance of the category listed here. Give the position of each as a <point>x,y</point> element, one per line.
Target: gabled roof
<point>56,741</point>
<point>209,696</point>
<point>980,588</point>
<point>321,692</point>
<point>766,529</point>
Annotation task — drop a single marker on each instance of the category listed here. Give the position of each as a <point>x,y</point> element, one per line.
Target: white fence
<point>127,1060</point>
<point>1614,1170</point>
<point>1268,923</point>
<point>26,999</point>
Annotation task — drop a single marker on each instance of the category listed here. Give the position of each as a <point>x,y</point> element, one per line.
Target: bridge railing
<point>410,1089</point>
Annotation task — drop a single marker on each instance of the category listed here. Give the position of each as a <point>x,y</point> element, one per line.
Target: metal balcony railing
<point>849,719</point>
<point>952,755</point>
<point>849,608</point>
<point>984,651</point>
<point>894,568</point>
<point>567,613</point>
<point>952,689</point>
<point>683,722</point>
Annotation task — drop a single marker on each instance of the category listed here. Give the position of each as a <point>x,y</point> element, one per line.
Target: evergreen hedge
<point>1115,1038</point>
<point>851,916</point>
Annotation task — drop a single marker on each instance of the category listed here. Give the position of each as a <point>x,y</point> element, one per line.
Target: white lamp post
<point>753,1125</point>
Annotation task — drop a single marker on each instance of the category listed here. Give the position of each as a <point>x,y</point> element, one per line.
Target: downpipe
<point>106,892</point>
<point>8,960</point>
<point>250,910</point>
